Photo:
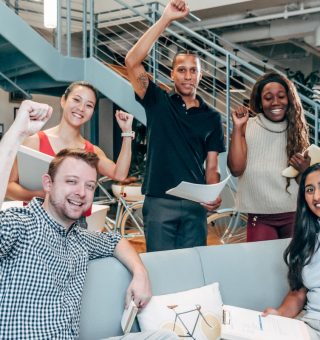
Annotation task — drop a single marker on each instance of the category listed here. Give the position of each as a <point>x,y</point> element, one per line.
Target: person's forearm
<point>293,303</point>
<point>237,155</point>
<point>212,176</point>
<point>8,150</point>
<point>15,191</point>
<point>124,159</point>
<point>127,255</point>
<point>141,49</point>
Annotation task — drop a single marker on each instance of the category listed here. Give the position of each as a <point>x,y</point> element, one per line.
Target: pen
<point>260,322</point>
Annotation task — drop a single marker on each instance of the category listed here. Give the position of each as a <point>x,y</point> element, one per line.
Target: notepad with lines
<point>245,324</point>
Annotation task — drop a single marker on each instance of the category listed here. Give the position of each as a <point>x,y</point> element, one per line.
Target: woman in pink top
<point>78,104</point>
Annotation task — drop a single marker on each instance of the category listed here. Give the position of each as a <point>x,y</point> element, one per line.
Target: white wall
<point>7,109</point>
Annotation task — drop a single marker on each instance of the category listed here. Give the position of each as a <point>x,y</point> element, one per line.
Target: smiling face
<point>312,192</point>
<point>186,74</point>
<point>79,105</point>
<point>274,101</point>
<point>70,193</point>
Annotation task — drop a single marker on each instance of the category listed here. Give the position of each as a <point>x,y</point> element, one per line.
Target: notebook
<point>32,164</point>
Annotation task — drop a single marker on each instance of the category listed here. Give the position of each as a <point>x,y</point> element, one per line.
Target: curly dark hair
<point>297,132</point>
<point>304,242</point>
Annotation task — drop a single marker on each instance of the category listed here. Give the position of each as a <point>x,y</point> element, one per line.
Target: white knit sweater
<point>262,188</point>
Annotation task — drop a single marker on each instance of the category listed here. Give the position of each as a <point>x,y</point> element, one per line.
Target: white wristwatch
<point>128,134</point>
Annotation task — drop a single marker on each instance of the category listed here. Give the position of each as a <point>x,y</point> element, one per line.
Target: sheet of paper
<point>250,325</point>
<point>198,192</point>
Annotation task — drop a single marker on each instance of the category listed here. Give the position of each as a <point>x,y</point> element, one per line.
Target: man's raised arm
<point>30,119</point>
<point>175,9</point>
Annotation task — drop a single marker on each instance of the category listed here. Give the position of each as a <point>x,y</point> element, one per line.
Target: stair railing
<point>83,31</point>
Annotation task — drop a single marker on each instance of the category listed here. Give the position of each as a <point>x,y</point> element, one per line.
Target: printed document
<point>245,324</point>
<point>201,193</point>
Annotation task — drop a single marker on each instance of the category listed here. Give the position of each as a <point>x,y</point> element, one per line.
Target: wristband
<point>128,134</point>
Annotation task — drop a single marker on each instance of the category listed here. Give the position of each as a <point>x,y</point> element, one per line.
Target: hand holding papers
<point>198,192</point>
<point>246,324</point>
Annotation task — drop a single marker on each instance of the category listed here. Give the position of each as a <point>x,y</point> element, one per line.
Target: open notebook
<point>245,324</point>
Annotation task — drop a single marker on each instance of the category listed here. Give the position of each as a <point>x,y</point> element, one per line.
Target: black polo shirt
<point>178,140</point>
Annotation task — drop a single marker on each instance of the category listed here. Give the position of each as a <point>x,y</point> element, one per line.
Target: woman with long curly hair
<point>303,256</point>
<point>261,147</point>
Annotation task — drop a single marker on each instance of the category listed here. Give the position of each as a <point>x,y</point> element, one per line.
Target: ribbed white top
<point>262,188</point>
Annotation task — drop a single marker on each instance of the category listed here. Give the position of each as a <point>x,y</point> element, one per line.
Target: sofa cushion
<point>195,312</point>
<point>251,275</point>
<point>174,270</point>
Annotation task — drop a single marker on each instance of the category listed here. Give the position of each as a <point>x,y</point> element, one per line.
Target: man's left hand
<point>139,290</point>
<point>212,206</point>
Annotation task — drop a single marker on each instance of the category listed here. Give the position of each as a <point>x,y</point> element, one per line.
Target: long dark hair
<point>304,242</point>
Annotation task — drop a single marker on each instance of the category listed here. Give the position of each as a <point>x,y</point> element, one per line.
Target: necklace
<point>262,124</point>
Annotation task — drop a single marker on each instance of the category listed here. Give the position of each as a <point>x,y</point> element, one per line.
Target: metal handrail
<point>104,40</point>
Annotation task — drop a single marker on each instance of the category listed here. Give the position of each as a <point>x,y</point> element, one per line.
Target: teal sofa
<point>251,275</point>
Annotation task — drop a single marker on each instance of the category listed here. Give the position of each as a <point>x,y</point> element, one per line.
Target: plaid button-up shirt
<point>42,272</point>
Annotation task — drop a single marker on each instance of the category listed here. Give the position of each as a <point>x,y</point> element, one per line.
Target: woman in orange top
<point>78,104</point>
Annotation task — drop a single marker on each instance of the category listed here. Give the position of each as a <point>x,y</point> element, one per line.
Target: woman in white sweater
<point>261,147</point>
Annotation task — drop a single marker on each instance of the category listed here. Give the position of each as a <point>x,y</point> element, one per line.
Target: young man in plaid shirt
<point>44,254</point>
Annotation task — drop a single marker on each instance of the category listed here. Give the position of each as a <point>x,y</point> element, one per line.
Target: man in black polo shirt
<point>182,133</point>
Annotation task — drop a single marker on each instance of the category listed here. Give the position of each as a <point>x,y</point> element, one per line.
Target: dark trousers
<point>173,224</point>
<point>263,227</point>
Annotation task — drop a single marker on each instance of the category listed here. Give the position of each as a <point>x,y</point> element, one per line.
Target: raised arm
<point>139,289</point>
<point>292,304</point>
<point>237,155</point>
<point>118,171</point>
<point>30,118</point>
<point>137,74</point>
